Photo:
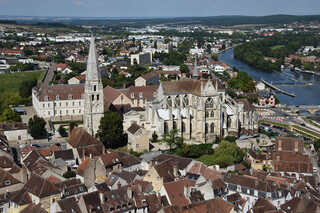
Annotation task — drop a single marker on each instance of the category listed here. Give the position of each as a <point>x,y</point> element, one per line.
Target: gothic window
<point>169,101</point>
<point>165,127</point>
<point>212,114</point>
<point>177,101</point>
<point>174,125</point>
<point>57,97</point>
<point>207,114</point>
<point>183,127</point>
<point>229,122</point>
<point>186,100</point>
<point>209,103</point>
<point>212,128</point>
<point>206,129</point>
<point>95,88</point>
<point>69,96</point>
<point>46,98</point>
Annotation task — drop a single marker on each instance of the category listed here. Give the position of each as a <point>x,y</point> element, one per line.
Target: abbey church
<point>200,109</point>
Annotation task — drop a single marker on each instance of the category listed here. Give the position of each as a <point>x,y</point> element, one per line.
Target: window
<point>212,114</point>
<point>57,97</point>
<point>165,127</point>
<point>73,111</point>
<point>46,98</point>
<point>183,128</point>
<point>177,101</point>
<point>211,128</point>
<point>173,196</point>
<point>48,112</point>
<point>97,97</point>
<point>60,112</point>
<point>174,125</point>
<point>186,100</point>
<point>72,103</point>
<point>60,104</point>
<point>132,95</point>
<point>82,96</point>
<point>48,104</point>
<point>79,103</point>
<point>67,112</point>
<point>66,103</point>
<point>79,110</point>
<point>81,189</point>
<point>43,105</point>
<point>95,88</point>
<point>209,103</point>
<point>141,95</point>
<point>7,182</point>
<point>169,101</point>
<point>69,96</point>
<point>137,145</point>
<point>206,129</point>
<point>207,114</point>
<point>92,97</point>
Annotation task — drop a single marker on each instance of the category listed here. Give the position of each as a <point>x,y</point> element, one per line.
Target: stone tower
<point>93,97</point>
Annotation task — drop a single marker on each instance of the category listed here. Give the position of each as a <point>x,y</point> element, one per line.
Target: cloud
<point>78,3</point>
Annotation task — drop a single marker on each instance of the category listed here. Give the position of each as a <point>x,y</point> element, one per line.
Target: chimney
<point>129,192</point>
<point>124,85</point>
<point>175,170</point>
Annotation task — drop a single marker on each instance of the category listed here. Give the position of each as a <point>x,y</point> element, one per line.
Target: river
<point>305,95</point>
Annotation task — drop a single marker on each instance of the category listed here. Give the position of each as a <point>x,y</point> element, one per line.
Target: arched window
<point>212,128</point>
<point>177,101</point>
<point>212,114</point>
<point>165,127</point>
<point>209,103</point>
<point>186,100</point>
<point>183,127</point>
<point>57,97</point>
<point>69,96</point>
<point>206,129</point>
<point>207,114</point>
<point>228,122</point>
<point>174,125</point>
<point>169,101</point>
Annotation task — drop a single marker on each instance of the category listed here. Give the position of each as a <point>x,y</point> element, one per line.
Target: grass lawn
<point>206,159</point>
<point>277,47</point>
<point>10,82</point>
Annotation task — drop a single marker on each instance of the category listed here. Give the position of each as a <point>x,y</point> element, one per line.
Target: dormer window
<point>155,94</point>
<point>140,95</point>
<point>132,95</point>
<point>46,98</point>
<point>82,96</point>
<point>69,96</point>
<point>57,97</point>
<point>7,182</point>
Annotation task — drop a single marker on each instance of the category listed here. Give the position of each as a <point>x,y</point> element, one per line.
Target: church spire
<point>92,63</point>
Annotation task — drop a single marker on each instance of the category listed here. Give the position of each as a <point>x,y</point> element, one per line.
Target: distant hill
<point>212,20</point>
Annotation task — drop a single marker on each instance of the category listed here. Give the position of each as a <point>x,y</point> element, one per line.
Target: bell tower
<point>93,97</point>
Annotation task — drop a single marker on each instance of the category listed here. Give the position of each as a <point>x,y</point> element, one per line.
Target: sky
<point>157,8</point>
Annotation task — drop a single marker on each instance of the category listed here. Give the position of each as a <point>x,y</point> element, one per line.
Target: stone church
<point>200,109</point>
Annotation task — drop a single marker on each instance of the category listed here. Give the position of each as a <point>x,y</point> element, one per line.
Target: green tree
<point>172,138</point>
<point>62,131</point>
<point>27,52</point>
<point>111,130</point>
<point>72,125</point>
<point>316,145</point>
<point>37,127</point>
<point>69,174</point>
<point>26,86</point>
<point>154,138</point>
<point>8,115</point>
<point>214,57</point>
<point>227,154</point>
<point>155,45</point>
<point>184,68</point>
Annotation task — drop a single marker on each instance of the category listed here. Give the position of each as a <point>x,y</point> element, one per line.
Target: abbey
<point>200,109</point>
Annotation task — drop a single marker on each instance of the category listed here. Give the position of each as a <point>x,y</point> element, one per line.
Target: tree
<point>72,125</point>
<point>8,115</point>
<point>172,139</point>
<point>184,68</point>
<point>155,45</point>
<point>26,86</point>
<point>111,130</point>
<point>227,154</point>
<point>214,57</point>
<point>27,52</point>
<point>316,145</point>
<point>37,127</point>
<point>62,131</point>
<point>154,138</point>
<point>69,174</point>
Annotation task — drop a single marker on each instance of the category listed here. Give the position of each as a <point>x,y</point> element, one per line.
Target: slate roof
<point>134,128</point>
<point>165,170</point>
<point>6,179</point>
<point>6,163</point>
<point>181,162</point>
<point>93,202</point>
<point>33,208</point>
<point>12,126</point>
<point>153,203</point>
<point>21,197</point>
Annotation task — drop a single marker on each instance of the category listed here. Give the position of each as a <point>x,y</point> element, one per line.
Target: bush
<point>69,174</point>
<point>62,131</point>
<point>154,138</point>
